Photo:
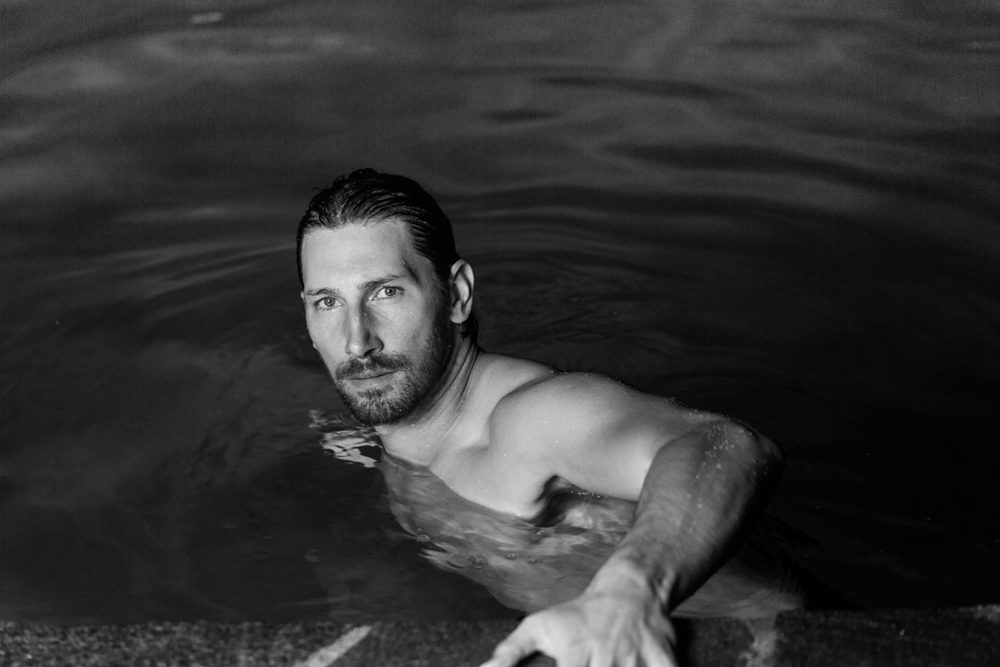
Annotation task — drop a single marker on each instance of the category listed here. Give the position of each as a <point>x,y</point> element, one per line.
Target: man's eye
<point>387,292</point>
<point>326,303</point>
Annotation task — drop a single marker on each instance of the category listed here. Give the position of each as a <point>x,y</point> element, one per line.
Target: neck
<point>423,433</point>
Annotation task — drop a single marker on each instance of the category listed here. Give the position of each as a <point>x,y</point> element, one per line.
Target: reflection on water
<point>783,212</point>
<point>525,565</point>
<point>533,564</point>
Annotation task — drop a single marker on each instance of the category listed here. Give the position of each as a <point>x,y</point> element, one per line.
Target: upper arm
<point>592,431</point>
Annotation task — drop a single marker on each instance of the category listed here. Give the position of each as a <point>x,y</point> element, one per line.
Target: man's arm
<point>696,501</point>
<point>705,479</point>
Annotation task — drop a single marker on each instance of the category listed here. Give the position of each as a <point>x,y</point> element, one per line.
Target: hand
<point>593,630</point>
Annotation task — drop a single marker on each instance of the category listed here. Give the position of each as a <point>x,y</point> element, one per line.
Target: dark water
<point>787,212</point>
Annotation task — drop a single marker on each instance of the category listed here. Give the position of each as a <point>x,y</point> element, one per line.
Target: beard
<point>415,378</point>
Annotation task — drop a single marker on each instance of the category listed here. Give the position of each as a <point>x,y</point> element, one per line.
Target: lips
<point>372,375</point>
<point>360,370</point>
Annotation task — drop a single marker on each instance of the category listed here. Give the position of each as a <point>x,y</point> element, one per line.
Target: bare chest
<point>488,476</point>
<point>478,456</point>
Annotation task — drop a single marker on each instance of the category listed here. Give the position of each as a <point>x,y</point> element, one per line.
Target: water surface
<point>786,212</point>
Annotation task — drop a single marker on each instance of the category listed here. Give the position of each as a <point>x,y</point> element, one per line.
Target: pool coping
<point>919,637</point>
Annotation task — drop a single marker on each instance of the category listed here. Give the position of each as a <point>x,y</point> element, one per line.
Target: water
<point>533,564</point>
<point>786,212</point>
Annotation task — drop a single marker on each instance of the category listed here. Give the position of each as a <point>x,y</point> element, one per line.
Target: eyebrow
<point>364,287</point>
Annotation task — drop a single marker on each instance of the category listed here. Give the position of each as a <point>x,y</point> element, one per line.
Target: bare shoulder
<point>511,372</point>
<point>596,400</point>
<point>497,379</point>
<point>586,417</point>
<point>590,430</point>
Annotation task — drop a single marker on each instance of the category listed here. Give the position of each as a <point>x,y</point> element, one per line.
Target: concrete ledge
<point>930,637</point>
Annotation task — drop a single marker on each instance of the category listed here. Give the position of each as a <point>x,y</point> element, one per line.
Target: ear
<point>462,283</point>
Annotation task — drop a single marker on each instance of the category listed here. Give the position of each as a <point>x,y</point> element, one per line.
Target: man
<point>389,307</point>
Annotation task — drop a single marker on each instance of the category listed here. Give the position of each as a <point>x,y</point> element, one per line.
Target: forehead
<point>357,251</point>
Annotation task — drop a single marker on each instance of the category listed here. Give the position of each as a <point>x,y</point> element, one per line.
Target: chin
<point>379,410</point>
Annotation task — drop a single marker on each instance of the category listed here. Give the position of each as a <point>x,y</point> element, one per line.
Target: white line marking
<point>328,655</point>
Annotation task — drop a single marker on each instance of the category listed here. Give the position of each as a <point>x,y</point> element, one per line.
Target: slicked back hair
<point>366,195</point>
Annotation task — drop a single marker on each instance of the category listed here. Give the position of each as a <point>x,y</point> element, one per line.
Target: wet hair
<point>366,195</point>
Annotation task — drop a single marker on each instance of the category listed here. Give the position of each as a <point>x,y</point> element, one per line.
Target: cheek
<point>322,333</point>
<point>411,331</point>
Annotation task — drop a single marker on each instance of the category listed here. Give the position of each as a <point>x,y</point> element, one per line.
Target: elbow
<point>761,453</point>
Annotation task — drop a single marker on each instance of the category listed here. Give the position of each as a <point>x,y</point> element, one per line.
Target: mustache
<point>373,364</point>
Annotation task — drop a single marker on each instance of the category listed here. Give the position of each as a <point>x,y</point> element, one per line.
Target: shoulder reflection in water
<point>533,564</point>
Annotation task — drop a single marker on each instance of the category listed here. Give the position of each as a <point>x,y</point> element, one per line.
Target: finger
<point>512,650</point>
<point>506,658</point>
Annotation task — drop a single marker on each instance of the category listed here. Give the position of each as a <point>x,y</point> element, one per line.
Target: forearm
<point>696,500</point>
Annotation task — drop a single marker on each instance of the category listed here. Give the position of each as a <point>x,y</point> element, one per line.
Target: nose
<point>361,339</point>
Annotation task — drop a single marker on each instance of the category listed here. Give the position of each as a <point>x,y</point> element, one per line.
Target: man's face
<point>378,315</point>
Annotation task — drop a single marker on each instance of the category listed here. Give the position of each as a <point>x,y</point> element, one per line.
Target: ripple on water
<point>253,46</point>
